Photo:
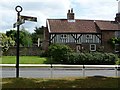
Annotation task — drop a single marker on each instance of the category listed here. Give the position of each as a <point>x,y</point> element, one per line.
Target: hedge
<point>63,54</point>
<point>95,58</point>
<point>92,58</point>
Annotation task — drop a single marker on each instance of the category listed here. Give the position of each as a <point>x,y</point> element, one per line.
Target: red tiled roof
<point>108,25</point>
<point>79,26</point>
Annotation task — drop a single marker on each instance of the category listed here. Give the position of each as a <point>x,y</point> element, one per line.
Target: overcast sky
<point>54,9</point>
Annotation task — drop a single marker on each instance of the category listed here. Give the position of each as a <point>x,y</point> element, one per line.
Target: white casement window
<point>117,34</point>
<point>64,36</point>
<point>117,48</point>
<point>92,47</point>
<point>88,38</point>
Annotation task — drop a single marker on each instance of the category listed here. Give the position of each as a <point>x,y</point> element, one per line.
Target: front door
<point>79,48</point>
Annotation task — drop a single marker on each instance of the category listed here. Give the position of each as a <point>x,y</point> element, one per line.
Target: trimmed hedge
<point>118,62</point>
<point>63,54</point>
<point>92,58</point>
<point>95,58</point>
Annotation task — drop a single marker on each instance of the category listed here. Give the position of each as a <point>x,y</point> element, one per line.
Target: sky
<point>54,9</point>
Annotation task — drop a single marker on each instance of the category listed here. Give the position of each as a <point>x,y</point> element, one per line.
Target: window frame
<point>92,47</point>
<point>116,48</point>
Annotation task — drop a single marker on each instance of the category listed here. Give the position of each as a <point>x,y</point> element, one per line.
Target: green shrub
<point>59,52</point>
<point>92,58</point>
<point>118,62</point>
<point>64,55</point>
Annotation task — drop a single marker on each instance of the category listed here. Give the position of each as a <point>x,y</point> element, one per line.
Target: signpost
<point>20,20</point>
<point>29,18</point>
<point>18,23</point>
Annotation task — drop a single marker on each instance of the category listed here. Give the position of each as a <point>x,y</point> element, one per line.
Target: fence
<point>56,70</point>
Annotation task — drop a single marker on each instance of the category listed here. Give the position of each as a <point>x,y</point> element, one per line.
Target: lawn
<point>86,82</point>
<point>24,60</point>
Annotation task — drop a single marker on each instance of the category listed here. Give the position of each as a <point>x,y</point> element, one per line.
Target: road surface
<point>57,72</point>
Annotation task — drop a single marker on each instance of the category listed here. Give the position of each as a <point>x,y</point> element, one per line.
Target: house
<point>81,34</point>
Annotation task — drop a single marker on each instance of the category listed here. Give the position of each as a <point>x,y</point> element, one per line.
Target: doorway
<point>79,48</point>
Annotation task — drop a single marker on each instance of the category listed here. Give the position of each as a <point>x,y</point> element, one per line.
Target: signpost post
<point>20,20</point>
<point>18,9</point>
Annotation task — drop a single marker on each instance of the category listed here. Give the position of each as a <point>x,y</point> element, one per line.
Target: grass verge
<point>24,60</point>
<point>87,82</point>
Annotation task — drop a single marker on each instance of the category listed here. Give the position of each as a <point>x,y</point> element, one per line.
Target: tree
<point>25,37</point>
<point>38,34</point>
<point>12,34</point>
<point>6,42</point>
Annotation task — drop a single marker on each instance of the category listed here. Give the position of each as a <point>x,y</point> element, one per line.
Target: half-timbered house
<point>81,34</point>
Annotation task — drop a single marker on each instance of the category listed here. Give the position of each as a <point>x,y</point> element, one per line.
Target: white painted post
<point>51,72</point>
<point>38,42</point>
<point>83,71</point>
<point>116,72</point>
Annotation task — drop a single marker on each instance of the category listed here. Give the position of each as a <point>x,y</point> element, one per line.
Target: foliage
<point>114,41</point>
<point>38,34</point>
<point>6,42</point>
<point>59,52</point>
<point>118,62</point>
<point>12,34</point>
<point>64,55</point>
<point>25,37</point>
<point>92,58</point>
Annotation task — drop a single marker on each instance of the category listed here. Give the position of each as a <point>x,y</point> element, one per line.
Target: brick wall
<point>46,39</point>
<point>106,35</point>
<point>24,51</point>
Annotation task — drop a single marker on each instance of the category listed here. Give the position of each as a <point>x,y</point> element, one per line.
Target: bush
<point>118,62</point>
<point>92,58</point>
<point>63,54</point>
<point>59,52</point>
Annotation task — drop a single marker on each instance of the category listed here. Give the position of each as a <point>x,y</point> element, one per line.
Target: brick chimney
<point>117,18</point>
<point>70,14</point>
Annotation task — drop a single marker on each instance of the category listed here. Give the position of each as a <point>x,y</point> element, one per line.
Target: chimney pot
<point>70,14</point>
<point>71,10</point>
<point>68,11</point>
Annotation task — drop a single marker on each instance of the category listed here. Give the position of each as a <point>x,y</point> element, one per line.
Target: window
<point>78,48</point>
<point>117,34</point>
<point>63,36</point>
<point>92,47</point>
<point>88,36</point>
<point>117,48</point>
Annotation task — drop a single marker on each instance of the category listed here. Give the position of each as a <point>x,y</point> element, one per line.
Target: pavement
<point>63,65</point>
<point>58,70</point>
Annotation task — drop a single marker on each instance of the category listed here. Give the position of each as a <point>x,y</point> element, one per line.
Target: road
<point>57,72</point>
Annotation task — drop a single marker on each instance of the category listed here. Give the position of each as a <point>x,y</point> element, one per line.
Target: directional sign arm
<point>29,18</point>
<point>18,23</point>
